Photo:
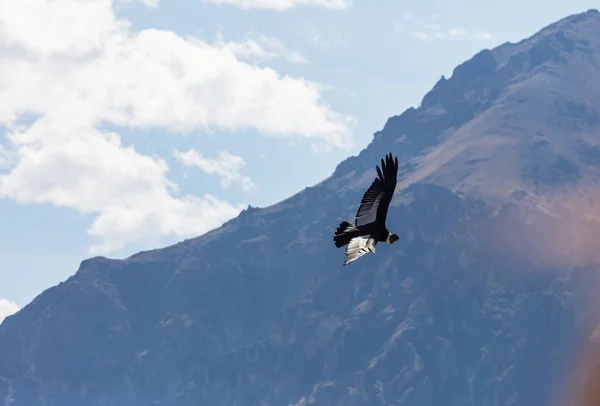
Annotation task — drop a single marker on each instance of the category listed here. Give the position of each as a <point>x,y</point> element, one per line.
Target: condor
<point>370,228</point>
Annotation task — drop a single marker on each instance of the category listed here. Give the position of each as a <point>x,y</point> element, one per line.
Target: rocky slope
<point>482,302</point>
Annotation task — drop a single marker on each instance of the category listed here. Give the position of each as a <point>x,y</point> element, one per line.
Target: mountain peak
<point>575,33</point>
<point>583,17</point>
<point>515,120</point>
<point>572,32</point>
<point>548,73</point>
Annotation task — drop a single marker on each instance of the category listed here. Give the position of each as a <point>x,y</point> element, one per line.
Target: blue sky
<point>134,124</point>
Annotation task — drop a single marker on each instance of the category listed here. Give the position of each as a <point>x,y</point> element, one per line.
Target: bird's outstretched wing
<point>377,198</point>
<point>359,246</point>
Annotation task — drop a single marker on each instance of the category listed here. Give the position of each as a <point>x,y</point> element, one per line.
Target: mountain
<point>483,301</point>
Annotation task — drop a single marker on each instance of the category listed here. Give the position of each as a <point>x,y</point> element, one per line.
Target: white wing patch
<point>359,246</point>
<point>367,212</point>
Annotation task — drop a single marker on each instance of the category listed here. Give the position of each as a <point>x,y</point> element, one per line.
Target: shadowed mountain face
<point>483,301</point>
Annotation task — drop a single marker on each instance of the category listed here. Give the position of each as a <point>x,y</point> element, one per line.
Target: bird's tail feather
<point>344,233</point>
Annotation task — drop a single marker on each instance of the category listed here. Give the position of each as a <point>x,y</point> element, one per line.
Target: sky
<point>129,125</point>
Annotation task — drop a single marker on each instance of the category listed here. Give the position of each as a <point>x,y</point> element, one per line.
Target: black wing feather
<point>377,198</point>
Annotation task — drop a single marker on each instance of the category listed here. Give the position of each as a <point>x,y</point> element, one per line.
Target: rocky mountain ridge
<point>478,304</point>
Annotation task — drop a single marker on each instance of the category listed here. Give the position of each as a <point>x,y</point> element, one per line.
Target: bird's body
<point>362,237</point>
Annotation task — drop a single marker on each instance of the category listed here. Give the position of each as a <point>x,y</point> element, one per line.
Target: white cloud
<point>7,308</point>
<point>419,35</point>
<point>74,67</point>
<point>227,166</point>
<point>148,3</point>
<point>482,35</point>
<point>260,47</point>
<point>94,173</point>
<point>281,5</point>
<point>433,29</point>
<point>4,158</point>
<point>455,32</point>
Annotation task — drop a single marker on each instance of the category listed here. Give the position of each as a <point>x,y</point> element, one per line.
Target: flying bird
<point>362,237</point>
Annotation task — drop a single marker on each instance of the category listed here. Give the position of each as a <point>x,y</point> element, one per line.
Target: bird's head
<point>392,238</point>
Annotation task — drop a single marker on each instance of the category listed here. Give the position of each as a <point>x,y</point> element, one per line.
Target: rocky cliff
<point>483,301</point>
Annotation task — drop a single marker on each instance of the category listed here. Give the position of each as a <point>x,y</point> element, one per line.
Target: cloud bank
<point>226,166</point>
<point>281,5</point>
<point>70,69</point>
